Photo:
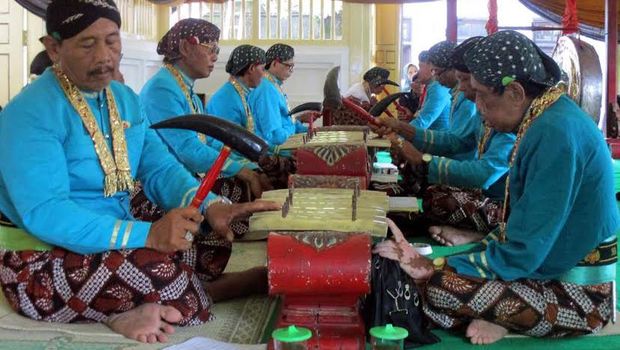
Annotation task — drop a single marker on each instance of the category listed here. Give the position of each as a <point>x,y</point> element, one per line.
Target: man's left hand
<point>407,151</point>
<point>307,117</point>
<point>398,249</point>
<point>220,215</point>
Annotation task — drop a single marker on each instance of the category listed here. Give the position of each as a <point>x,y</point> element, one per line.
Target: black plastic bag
<point>394,298</point>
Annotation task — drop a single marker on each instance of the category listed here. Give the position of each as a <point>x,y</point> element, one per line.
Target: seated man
<point>434,110</point>
<point>548,271</point>
<point>246,66</point>
<point>71,145</point>
<point>466,165</point>
<point>269,102</point>
<point>190,49</point>
<point>362,93</point>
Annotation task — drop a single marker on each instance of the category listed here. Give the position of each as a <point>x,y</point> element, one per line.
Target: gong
<point>581,73</point>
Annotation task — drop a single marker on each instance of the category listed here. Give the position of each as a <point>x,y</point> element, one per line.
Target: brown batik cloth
<point>345,116</point>
<point>532,307</point>
<point>231,187</point>
<point>461,208</point>
<point>278,169</point>
<point>65,287</point>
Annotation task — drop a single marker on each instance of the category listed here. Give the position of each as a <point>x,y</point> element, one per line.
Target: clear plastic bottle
<point>388,337</point>
<point>291,338</point>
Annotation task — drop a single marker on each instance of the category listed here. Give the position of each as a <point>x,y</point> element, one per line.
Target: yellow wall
<point>387,44</point>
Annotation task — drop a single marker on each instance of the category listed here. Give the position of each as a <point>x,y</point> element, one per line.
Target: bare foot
<point>148,323</point>
<point>238,284</point>
<point>482,332</point>
<point>450,236</point>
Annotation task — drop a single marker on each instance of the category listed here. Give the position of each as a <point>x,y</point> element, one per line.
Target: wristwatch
<point>439,263</point>
<point>427,158</point>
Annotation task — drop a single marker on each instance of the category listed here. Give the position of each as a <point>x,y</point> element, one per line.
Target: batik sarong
<point>231,187</point>
<point>532,307</point>
<point>461,208</point>
<point>66,287</point>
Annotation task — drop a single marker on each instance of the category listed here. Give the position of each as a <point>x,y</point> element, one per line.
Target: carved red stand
<point>321,276</point>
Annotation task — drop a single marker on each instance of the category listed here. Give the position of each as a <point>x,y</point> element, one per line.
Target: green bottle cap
<point>291,334</point>
<point>389,332</point>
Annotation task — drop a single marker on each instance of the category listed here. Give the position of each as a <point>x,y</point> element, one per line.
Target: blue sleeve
<point>163,178</point>
<point>435,102</point>
<point>38,185</point>
<point>300,127</point>
<point>448,142</point>
<point>163,103</point>
<point>548,167</point>
<point>265,105</point>
<point>477,173</point>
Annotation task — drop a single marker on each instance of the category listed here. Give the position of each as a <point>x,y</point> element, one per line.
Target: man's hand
<point>219,215</point>
<point>251,178</point>
<point>404,114</point>
<point>398,249</point>
<point>309,116</point>
<point>407,151</point>
<point>167,235</point>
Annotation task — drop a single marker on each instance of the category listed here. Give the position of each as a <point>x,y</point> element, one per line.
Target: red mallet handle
<point>207,182</point>
<point>361,112</point>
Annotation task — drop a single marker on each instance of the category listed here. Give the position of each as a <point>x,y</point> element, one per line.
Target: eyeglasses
<point>212,47</point>
<point>290,66</point>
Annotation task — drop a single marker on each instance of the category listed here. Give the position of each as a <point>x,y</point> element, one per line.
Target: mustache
<point>101,70</point>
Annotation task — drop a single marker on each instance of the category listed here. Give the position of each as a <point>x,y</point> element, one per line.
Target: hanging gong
<point>581,70</point>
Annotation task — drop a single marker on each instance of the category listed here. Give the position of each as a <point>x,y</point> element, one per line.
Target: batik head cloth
<point>506,56</point>
<point>244,56</point>
<point>376,76</point>
<point>198,31</point>
<point>64,19</point>
<point>280,52</point>
<point>439,54</point>
<point>458,62</point>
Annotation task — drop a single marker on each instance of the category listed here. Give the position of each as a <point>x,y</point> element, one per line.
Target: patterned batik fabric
<point>231,187</point>
<point>202,31</point>
<point>65,287</point>
<point>461,208</point>
<point>532,307</point>
<point>278,169</point>
<point>243,56</point>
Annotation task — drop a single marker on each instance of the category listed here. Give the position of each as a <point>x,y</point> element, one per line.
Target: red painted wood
<point>355,163</point>
<point>297,268</point>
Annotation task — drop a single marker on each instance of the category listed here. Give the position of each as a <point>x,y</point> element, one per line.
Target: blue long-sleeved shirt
<point>270,108</point>
<point>435,111</point>
<point>163,98</point>
<point>51,180</point>
<point>458,142</point>
<point>562,202</point>
<point>487,172</point>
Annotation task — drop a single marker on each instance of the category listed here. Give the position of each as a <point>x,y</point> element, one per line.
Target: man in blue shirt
<point>547,270</point>
<point>268,101</point>
<point>71,146</point>
<point>190,50</point>
<point>466,165</point>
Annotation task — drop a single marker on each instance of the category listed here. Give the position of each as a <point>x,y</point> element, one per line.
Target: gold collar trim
<point>181,83</point>
<point>115,167</point>
<point>243,94</point>
<point>537,107</point>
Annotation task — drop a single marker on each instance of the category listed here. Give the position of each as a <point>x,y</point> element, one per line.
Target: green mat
<point>455,341</point>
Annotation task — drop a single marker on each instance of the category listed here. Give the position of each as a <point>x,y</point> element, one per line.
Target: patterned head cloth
<point>423,57</point>
<point>376,76</point>
<point>280,52</point>
<point>64,19</point>
<point>505,56</point>
<point>456,59</point>
<point>439,54</point>
<point>244,56</point>
<point>198,31</point>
